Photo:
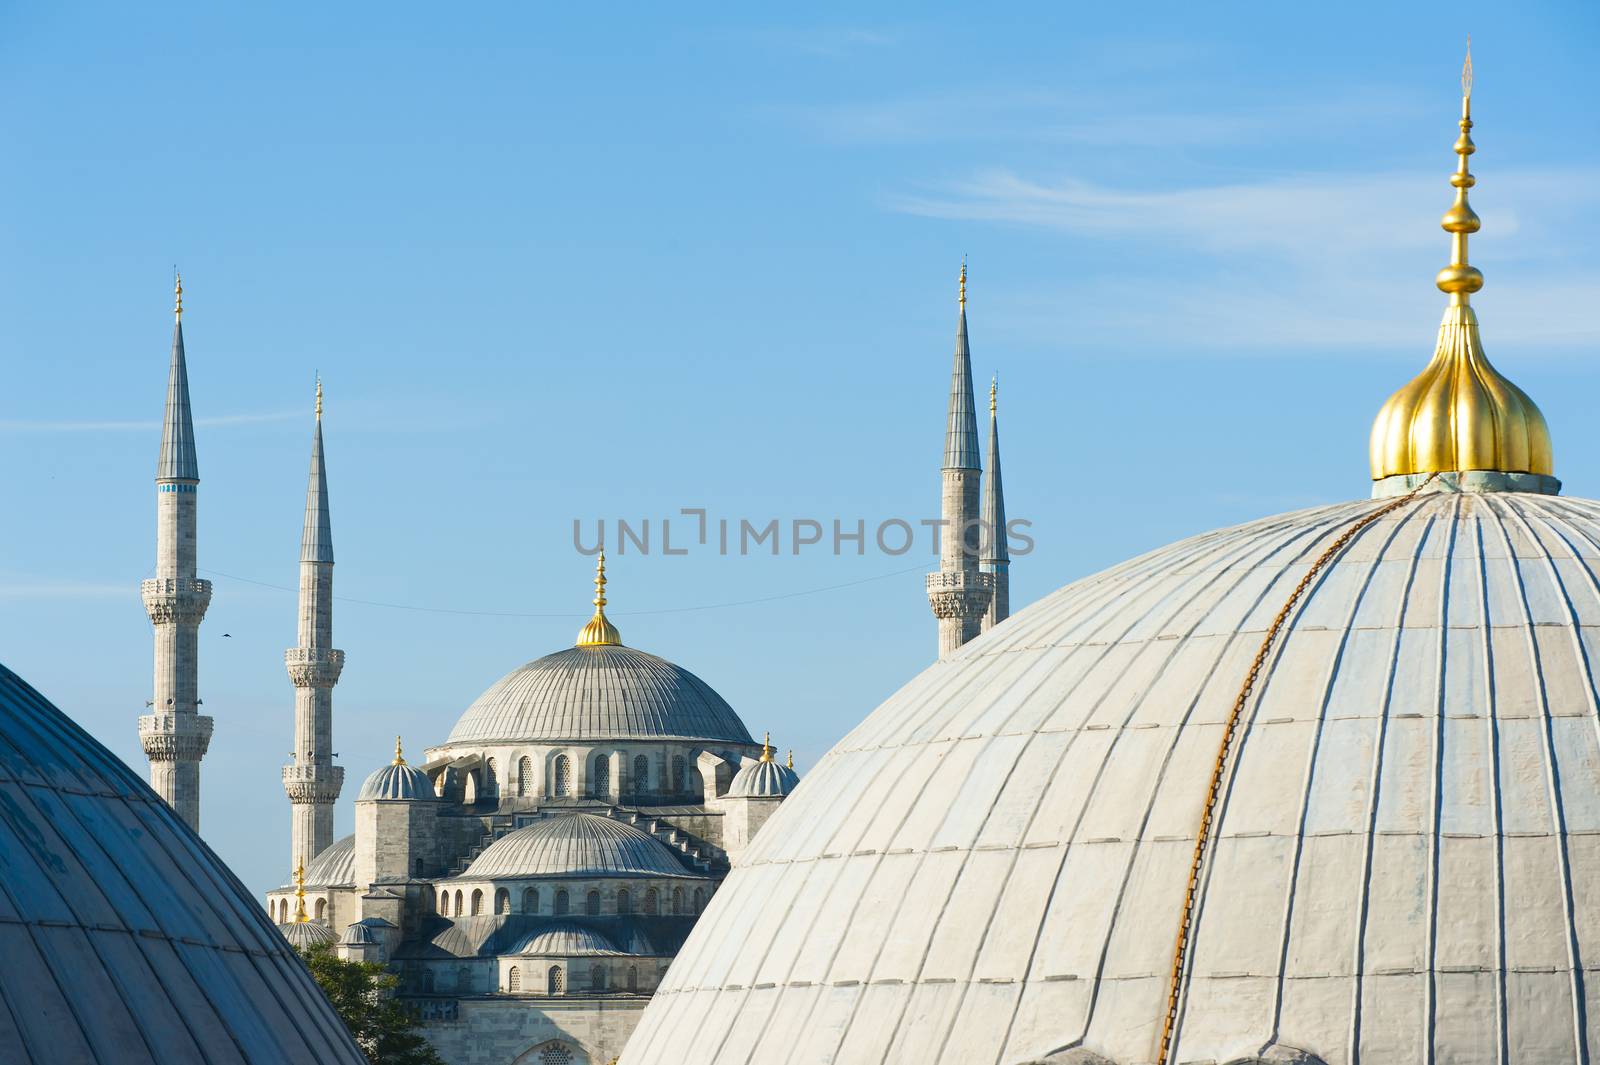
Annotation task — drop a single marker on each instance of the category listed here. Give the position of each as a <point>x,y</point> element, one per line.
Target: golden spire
<point>1460,413</point>
<point>791,758</point>
<point>766,747</point>
<point>319,397</point>
<point>300,894</point>
<point>177,295</point>
<point>399,759</point>
<point>962,299</point>
<point>599,632</point>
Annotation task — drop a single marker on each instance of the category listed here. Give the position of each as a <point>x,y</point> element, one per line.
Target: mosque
<point>1321,788</point>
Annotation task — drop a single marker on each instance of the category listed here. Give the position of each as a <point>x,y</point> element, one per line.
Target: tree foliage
<point>362,994</point>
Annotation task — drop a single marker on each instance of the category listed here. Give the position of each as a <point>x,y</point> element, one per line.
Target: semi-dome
<point>575,845</point>
<point>334,867</point>
<point>599,692</point>
<point>125,938</point>
<point>566,940</point>
<point>397,780</point>
<point>358,935</point>
<point>763,777</point>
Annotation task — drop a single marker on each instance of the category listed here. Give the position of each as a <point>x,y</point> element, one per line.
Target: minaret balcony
<point>313,667</point>
<point>959,593</point>
<point>175,737</point>
<point>313,784</point>
<point>181,600</point>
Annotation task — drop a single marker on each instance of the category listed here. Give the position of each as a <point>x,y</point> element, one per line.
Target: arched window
<point>530,900</point>
<point>322,908</point>
<point>558,980</point>
<point>624,901</point>
<point>283,912</point>
<point>680,770</point>
<point>524,775</point>
<point>633,978</point>
<point>459,909</point>
<point>699,900</point>
<point>463,979</point>
<point>554,1054</point>
<point>514,979</point>
<point>650,906</point>
<point>477,902</point>
<point>431,898</point>
<point>597,977</point>
<point>469,794</point>
<point>641,775</point>
<point>677,900</point>
<point>591,904</point>
<point>502,901</point>
<point>416,867</point>
<point>561,902</point>
<point>491,779</point>
<point>602,775</point>
<point>563,785</point>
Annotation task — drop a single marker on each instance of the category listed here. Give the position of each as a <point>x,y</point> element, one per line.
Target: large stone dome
<point>576,845</point>
<point>1404,864</point>
<point>125,938</point>
<point>601,692</point>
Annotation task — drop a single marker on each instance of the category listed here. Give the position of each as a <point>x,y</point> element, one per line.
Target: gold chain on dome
<point>1203,835</point>
<point>599,632</point>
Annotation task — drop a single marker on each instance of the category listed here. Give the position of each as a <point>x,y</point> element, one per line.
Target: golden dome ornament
<point>599,632</point>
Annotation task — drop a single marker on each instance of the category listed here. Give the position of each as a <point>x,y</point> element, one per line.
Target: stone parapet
<point>175,737</point>
<point>959,594</point>
<point>313,667</point>
<point>175,599</point>
<point>313,784</point>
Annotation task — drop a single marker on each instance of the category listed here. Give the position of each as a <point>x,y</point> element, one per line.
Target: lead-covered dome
<point>575,845</point>
<point>125,938</point>
<point>599,692</point>
<point>335,866</point>
<point>306,935</point>
<point>566,939</point>
<point>993,865</point>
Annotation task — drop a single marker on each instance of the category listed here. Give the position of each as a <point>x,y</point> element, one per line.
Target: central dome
<point>600,692</point>
<point>993,866</point>
<point>576,845</point>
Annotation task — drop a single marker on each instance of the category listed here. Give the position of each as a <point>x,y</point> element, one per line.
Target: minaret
<point>174,734</point>
<point>959,593</point>
<point>996,558</point>
<point>312,781</point>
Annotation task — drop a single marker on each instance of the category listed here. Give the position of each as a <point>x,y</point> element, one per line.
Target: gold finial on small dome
<point>1460,414</point>
<point>599,632</point>
<point>962,299</point>
<point>300,893</point>
<point>399,757</point>
<point>766,747</point>
<point>177,294</point>
<point>319,397</point>
<point>791,758</point>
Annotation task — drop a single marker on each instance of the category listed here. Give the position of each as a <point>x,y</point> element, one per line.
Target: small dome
<point>763,778</point>
<point>576,845</point>
<point>127,939</point>
<point>334,867</point>
<point>565,939</point>
<point>397,780</point>
<point>359,935</point>
<point>303,935</point>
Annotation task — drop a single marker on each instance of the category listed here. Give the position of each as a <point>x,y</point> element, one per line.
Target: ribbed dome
<point>599,693</point>
<point>126,940</point>
<point>303,935</point>
<point>993,865</point>
<point>576,845</point>
<point>358,935</point>
<point>399,781</point>
<point>760,777</point>
<point>334,867</point>
<point>566,939</point>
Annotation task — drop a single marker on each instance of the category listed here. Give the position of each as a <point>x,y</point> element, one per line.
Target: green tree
<point>362,994</point>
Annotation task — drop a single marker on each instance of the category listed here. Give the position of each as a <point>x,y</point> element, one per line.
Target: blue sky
<point>558,266</point>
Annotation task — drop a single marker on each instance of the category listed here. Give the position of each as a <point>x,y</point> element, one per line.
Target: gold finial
<point>766,747</point>
<point>791,758</point>
<point>399,758</point>
<point>962,300</point>
<point>599,632</point>
<point>1460,413</point>
<point>300,893</point>
<point>319,397</point>
<point>177,295</point>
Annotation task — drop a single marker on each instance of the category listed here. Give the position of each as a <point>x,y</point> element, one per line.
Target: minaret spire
<point>959,593</point>
<point>312,781</point>
<point>175,735</point>
<point>996,558</point>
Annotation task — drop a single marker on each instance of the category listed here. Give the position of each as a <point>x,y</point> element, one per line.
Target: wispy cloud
<point>141,425</point>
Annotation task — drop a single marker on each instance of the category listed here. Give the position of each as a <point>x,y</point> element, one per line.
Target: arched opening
<point>562,902</point>
<point>469,793</point>
<point>431,898</point>
<point>530,900</point>
<point>514,979</point>
<point>633,978</point>
<point>624,901</point>
<point>680,772</point>
<point>699,900</point>
<point>464,979</point>
<point>491,779</point>
<point>322,909</point>
<point>557,980</point>
<point>477,902</point>
<point>597,977</point>
<point>677,900</point>
<point>651,906</point>
<point>641,775</point>
<point>591,904</point>
<point>416,867</point>
<point>602,776</point>
<point>502,901</point>
<point>459,910</point>
<point>563,781</point>
<point>524,775</point>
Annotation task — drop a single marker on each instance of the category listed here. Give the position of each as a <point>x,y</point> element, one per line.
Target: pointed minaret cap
<point>316,536</point>
<point>177,460</point>
<point>599,632</point>
<point>1460,414</point>
<point>961,429</point>
<point>994,549</point>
